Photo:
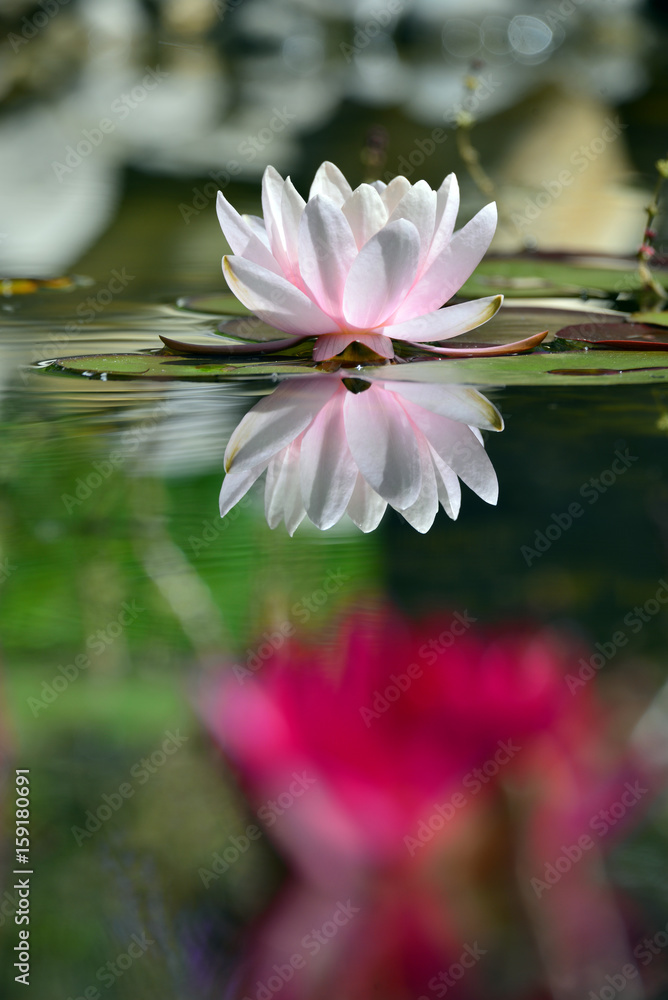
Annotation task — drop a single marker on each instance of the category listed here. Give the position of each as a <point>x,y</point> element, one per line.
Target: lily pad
<point>620,336</point>
<point>550,367</point>
<point>216,304</point>
<point>654,318</point>
<point>164,365</point>
<point>534,275</point>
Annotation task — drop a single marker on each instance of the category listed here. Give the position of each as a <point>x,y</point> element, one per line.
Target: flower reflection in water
<point>425,779</point>
<point>334,445</point>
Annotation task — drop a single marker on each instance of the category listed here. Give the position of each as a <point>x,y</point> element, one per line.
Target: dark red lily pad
<point>620,336</point>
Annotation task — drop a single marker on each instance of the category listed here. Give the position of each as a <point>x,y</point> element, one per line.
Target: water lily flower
<point>439,780</point>
<point>335,445</point>
<point>360,266</point>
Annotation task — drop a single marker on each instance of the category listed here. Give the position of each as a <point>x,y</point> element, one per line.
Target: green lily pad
<point>167,366</point>
<point>217,304</point>
<point>556,368</point>
<point>653,318</point>
<point>532,276</point>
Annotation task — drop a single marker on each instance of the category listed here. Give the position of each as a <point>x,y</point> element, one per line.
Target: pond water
<point>122,589</point>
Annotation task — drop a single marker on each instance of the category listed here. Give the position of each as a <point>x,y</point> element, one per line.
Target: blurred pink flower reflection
<point>335,445</point>
<point>420,780</point>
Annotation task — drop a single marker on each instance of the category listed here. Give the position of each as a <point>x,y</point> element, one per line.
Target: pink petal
<point>366,508</point>
<point>330,181</point>
<point>452,267</point>
<point>328,471</point>
<point>277,420</point>
<point>330,344</point>
<point>459,448</point>
<point>365,212</point>
<point>241,237</point>
<point>457,402</point>
<point>327,250</point>
<point>381,275</point>
<point>383,443</point>
<point>274,299</point>
<point>517,347</point>
<point>448,322</point>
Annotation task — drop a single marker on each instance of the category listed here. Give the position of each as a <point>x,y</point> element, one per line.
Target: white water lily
<point>359,266</point>
<point>333,446</point>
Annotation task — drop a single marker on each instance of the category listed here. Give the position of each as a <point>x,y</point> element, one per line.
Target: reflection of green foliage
<point>207,587</point>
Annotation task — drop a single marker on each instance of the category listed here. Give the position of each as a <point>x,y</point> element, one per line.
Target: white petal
<point>458,402</point>
<point>327,250</point>
<point>277,420</point>
<point>449,490</point>
<point>283,499</point>
<point>383,443</point>
<point>292,209</point>
<point>366,213</point>
<point>381,275</point>
<point>418,205</point>
<point>451,321</point>
<point>447,207</point>
<point>421,514</point>
<point>272,202</point>
<point>258,227</point>
<point>459,448</point>
<point>241,236</point>
<point>328,471</point>
<point>330,181</point>
<point>394,192</point>
<point>452,267</point>
<point>366,508</point>
<point>236,485</point>
<point>274,299</point>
